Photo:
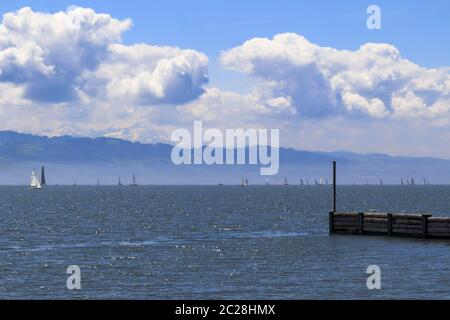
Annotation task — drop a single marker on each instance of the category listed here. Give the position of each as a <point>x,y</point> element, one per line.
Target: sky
<point>140,69</point>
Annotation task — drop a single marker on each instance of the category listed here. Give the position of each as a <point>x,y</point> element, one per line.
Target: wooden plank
<point>439,235</point>
<point>409,231</point>
<point>407,216</point>
<point>434,222</point>
<point>345,219</point>
<point>438,225</point>
<point>345,228</point>
<point>345,214</point>
<point>376,220</point>
<point>406,226</point>
<point>375,215</point>
<point>378,230</point>
<point>439,230</point>
<point>439,219</point>
<point>375,225</point>
<point>338,227</point>
<point>408,221</point>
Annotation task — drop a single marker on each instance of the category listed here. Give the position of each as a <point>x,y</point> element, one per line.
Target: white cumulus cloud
<point>65,56</point>
<point>320,81</point>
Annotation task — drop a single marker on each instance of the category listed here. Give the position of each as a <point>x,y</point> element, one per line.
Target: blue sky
<point>419,29</point>
<point>329,90</point>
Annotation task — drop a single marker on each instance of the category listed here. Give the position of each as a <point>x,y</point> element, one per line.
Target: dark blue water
<point>213,242</point>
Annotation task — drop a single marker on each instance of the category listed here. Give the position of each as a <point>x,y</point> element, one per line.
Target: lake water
<point>214,242</point>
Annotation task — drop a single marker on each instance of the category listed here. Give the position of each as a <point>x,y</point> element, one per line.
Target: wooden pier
<point>387,224</point>
<point>390,224</point>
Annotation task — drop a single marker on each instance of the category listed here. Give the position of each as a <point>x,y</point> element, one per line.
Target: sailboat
<point>285,182</point>
<point>381,182</point>
<point>244,182</point>
<point>119,183</point>
<point>34,183</point>
<point>402,181</point>
<point>134,184</point>
<point>301,182</point>
<point>43,183</point>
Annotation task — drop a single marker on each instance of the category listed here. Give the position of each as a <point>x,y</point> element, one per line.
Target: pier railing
<point>390,224</point>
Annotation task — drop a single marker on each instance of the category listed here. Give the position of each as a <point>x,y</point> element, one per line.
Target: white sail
<point>34,183</point>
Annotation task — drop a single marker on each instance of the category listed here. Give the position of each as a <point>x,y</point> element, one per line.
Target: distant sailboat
<point>246,182</point>
<point>119,183</point>
<point>134,184</point>
<point>315,180</point>
<point>285,182</point>
<point>75,183</point>
<point>43,183</point>
<point>34,183</point>
<point>412,181</point>
<point>402,181</point>
<point>381,182</point>
<point>326,181</point>
<point>301,182</point>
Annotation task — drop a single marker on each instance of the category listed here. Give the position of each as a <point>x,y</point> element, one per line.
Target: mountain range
<point>85,160</point>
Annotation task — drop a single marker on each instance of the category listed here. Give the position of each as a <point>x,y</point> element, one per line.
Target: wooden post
<point>389,221</point>
<point>361,222</point>
<point>331,222</point>
<point>425,225</point>
<point>334,186</point>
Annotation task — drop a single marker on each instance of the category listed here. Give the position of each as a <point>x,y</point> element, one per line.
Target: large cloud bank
<point>66,56</point>
<point>319,81</point>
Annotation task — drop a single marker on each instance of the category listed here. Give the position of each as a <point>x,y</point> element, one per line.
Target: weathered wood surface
<point>407,225</point>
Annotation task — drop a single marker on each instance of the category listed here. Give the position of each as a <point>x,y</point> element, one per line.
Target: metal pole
<point>334,186</point>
